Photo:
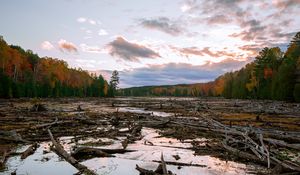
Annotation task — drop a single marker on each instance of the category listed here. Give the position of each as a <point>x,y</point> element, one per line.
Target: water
<point>146,154</point>
<point>143,111</point>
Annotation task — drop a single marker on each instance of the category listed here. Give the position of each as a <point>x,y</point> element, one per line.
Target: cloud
<point>91,49</point>
<point>286,4</point>
<point>189,6</point>
<point>187,51</point>
<point>66,46</point>
<point>253,30</point>
<point>81,20</point>
<point>92,22</point>
<point>218,19</point>
<point>105,73</point>
<point>102,32</point>
<point>180,73</point>
<point>46,45</point>
<point>130,51</point>
<point>163,24</point>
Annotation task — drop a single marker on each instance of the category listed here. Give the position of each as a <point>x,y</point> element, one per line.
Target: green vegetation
<point>272,75</point>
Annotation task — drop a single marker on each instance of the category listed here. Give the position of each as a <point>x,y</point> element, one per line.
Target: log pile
<point>247,143</point>
<point>61,152</point>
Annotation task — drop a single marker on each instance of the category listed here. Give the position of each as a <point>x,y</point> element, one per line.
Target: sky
<point>157,42</point>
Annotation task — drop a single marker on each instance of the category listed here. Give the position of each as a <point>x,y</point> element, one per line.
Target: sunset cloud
<point>188,51</point>
<point>102,32</point>
<point>163,24</point>
<point>91,49</point>
<point>81,20</point>
<point>84,20</point>
<point>118,35</point>
<point>46,45</point>
<point>130,51</point>
<point>66,46</point>
<point>177,73</point>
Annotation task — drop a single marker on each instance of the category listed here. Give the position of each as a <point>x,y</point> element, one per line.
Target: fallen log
<point>163,165</point>
<point>38,108</point>
<point>241,154</point>
<point>88,152</point>
<point>29,151</point>
<point>180,163</point>
<point>45,124</point>
<point>271,160</point>
<point>61,152</point>
<point>160,170</point>
<point>11,136</point>
<point>282,143</point>
<point>3,159</point>
<point>115,151</point>
<point>145,172</point>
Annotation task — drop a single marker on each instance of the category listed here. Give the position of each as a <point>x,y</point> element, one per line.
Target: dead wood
<point>11,136</point>
<point>180,164</point>
<point>282,143</point>
<point>30,150</point>
<point>46,124</point>
<point>145,171</point>
<point>3,159</point>
<point>38,108</point>
<point>163,165</point>
<point>61,152</point>
<point>89,152</point>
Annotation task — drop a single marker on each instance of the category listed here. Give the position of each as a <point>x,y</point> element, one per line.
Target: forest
<point>25,74</point>
<point>273,74</point>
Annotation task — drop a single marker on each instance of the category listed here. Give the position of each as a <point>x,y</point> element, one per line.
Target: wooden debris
<point>11,136</point>
<point>38,108</point>
<point>61,152</point>
<point>160,170</point>
<point>3,159</point>
<point>89,152</point>
<point>29,151</point>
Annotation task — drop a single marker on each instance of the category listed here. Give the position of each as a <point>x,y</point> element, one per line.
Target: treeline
<point>25,74</point>
<point>272,75</point>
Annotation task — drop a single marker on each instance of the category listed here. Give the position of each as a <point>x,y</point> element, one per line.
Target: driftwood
<point>160,170</point>
<point>163,165</point>
<point>11,136</point>
<point>30,150</point>
<point>258,151</point>
<point>282,143</point>
<point>3,159</point>
<point>46,124</point>
<point>38,108</point>
<point>145,172</point>
<point>88,152</point>
<point>180,163</point>
<point>61,152</point>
